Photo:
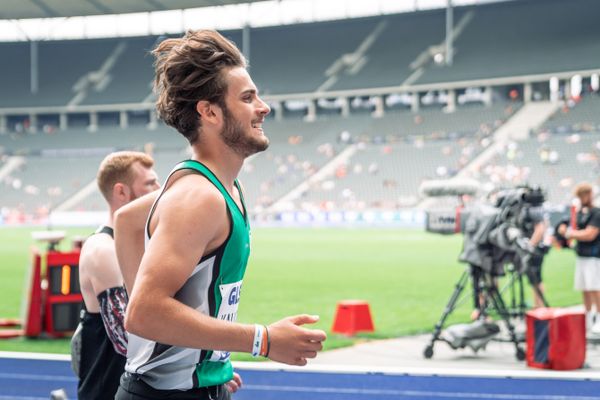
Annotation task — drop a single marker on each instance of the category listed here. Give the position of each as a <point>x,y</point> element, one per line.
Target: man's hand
<point>562,229</point>
<point>292,344</point>
<point>235,384</point>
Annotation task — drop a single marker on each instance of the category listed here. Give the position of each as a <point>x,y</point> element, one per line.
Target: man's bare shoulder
<point>193,194</point>
<point>96,250</point>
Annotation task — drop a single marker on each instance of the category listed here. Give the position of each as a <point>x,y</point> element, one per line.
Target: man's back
<point>97,256</point>
<point>101,364</point>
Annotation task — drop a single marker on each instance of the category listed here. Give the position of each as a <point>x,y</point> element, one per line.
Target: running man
<point>122,177</point>
<point>185,294</point>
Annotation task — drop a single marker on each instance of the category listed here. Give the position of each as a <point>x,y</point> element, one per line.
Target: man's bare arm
<point>589,234</point>
<point>538,234</point>
<point>180,239</point>
<point>104,292</point>
<point>130,222</point>
<point>98,269</point>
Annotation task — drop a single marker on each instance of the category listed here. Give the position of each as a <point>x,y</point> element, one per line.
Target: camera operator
<point>535,226</point>
<point>587,264</point>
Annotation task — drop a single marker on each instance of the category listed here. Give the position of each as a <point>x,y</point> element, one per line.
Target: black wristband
<point>268,342</point>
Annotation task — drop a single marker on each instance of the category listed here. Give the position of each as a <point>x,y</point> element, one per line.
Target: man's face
<point>145,181</point>
<point>243,115</point>
<point>585,199</point>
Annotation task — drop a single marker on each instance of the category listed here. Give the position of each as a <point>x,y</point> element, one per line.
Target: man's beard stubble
<point>235,137</point>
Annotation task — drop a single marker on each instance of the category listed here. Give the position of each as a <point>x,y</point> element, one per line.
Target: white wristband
<point>568,233</point>
<point>258,338</point>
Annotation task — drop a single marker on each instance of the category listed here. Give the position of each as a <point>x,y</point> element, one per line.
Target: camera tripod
<point>518,306</point>
<point>488,298</point>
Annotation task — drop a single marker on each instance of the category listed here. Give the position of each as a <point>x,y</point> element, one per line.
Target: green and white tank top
<point>213,289</point>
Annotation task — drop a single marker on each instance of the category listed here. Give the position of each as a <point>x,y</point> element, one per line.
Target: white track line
<point>35,356</point>
<point>368,369</point>
<point>413,393</point>
<point>22,398</point>
<point>422,371</point>
<point>36,377</point>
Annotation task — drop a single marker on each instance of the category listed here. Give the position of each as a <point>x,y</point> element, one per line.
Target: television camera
<point>496,241</point>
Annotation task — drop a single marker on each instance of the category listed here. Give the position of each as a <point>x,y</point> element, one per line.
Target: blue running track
<point>33,379</point>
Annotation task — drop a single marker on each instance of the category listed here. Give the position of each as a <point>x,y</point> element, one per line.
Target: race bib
<point>230,299</point>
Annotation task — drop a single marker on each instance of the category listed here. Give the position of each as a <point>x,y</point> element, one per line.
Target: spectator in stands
<point>122,177</point>
<point>587,265</point>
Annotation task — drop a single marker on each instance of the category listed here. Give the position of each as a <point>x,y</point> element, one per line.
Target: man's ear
<point>121,193</point>
<point>208,112</point>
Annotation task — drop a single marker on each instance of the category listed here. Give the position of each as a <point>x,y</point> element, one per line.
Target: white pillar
<point>527,92</point>
<point>153,120</point>
<point>567,89</point>
<point>415,103</point>
<point>33,121</point>
<point>2,123</point>
<point>554,85</point>
<point>345,107</point>
<point>311,113</point>
<point>93,126</point>
<point>63,122</point>
<point>123,119</point>
<point>451,106</point>
<point>379,109</point>
<point>278,111</point>
<point>487,98</point>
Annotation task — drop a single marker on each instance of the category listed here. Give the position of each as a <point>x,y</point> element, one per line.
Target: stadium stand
<point>129,80</point>
<point>297,151</point>
<point>387,61</point>
<point>295,58</point>
<point>579,115</point>
<point>387,176</point>
<point>394,147</point>
<point>62,64</point>
<point>490,41</point>
<point>106,139</point>
<point>42,183</point>
<point>472,119</point>
<point>554,162</point>
<point>522,38</point>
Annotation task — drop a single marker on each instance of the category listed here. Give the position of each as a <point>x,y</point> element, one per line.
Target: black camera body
<point>498,234</point>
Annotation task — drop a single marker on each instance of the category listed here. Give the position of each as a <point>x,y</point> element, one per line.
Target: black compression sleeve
<point>113,302</point>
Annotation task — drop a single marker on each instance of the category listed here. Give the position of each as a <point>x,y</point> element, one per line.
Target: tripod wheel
<point>520,354</point>
<point>428,353</point>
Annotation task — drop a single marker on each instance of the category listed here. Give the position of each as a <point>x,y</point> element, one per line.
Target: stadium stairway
<point>518,127</point>
<point>98,79</point>
<point>351,63</point>
<point>11,164</point>
<point>529,118</point>
<point>78,197</point>
<point>326,170</point>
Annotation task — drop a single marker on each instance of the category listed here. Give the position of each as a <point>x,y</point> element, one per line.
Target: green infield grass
<point>406,276</point>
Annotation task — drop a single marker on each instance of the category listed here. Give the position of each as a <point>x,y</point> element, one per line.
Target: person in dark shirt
<point>534,269</point>
<point>587,265</point>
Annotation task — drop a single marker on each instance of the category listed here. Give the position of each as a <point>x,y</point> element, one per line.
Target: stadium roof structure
<point>21,9</point>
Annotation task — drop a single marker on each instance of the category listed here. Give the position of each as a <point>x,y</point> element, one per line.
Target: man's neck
<point>111,215</point>
<point>224,163</point>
